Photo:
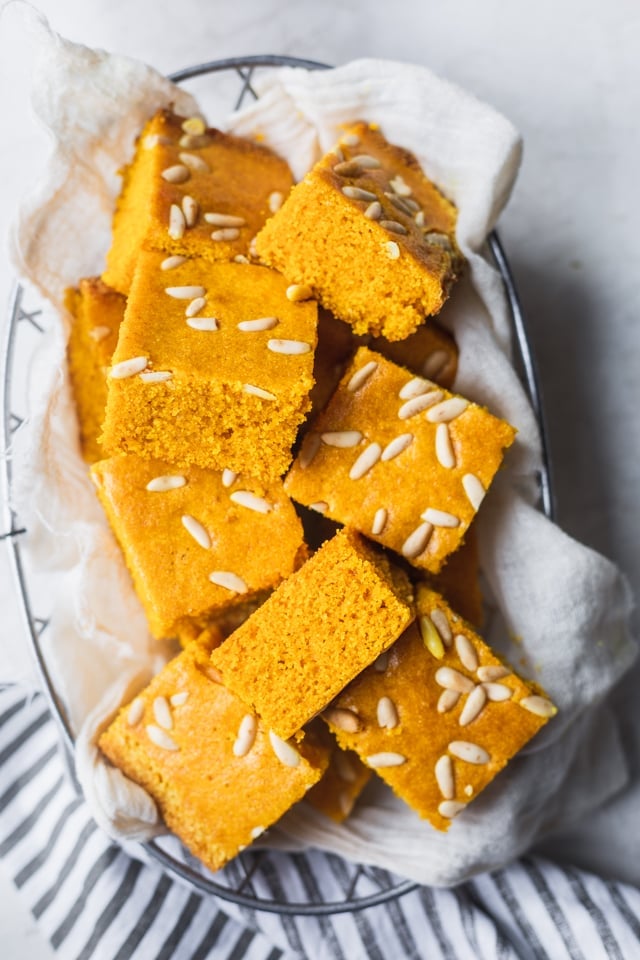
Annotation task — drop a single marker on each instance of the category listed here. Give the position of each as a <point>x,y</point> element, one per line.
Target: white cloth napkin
<point>564,607</point>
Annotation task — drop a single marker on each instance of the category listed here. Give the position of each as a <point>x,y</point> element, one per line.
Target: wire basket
<point>308,883</point>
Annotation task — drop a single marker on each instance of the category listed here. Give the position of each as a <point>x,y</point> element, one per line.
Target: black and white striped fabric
<point>95,902</point>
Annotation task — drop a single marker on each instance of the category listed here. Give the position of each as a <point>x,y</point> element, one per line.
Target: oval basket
<point>313,882</point>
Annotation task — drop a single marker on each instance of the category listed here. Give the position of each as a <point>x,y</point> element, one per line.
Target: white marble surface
<point>568,74</point>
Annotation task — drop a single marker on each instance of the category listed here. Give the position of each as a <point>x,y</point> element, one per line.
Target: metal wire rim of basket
<point>244,873</point>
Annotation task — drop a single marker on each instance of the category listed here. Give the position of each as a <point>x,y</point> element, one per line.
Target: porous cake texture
<point>439,715</point>
<point>369,234</point>
<point>316,632</point>
<point>197,542</point>
<point>213,367</point>
<point>400,459</point>
<point>217,774</point>
<point>97,313</point>
<point>192,190</point>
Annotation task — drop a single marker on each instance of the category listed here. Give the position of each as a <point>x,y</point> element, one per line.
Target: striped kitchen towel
<point>94,901</point>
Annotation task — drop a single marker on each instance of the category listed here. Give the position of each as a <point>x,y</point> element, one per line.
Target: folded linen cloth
<point>559,606</point>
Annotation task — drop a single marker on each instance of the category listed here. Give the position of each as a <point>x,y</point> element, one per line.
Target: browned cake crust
<point>369,234</point>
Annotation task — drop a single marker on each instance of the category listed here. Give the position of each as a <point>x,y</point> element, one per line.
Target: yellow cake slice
<point>192,191</point>
<point>316,632</point>
<point>439,715</point>
<point>369,234</point>
<point>400,459</point>
<point>219,776</point>
<point>214,366</point>
<point>197,542</point>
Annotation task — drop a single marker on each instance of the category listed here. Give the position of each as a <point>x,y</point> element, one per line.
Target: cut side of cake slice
<point>316,632</point>
<point>369,234</point>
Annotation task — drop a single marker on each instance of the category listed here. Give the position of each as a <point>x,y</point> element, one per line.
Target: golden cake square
<point>369,234</point>
<point>439,715</point>
<point>196,541</point>
<point>400,459</point>
<point>316,632</point>
<point>217,774</point>
<point>192,191</point>
<point>214,366</point>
